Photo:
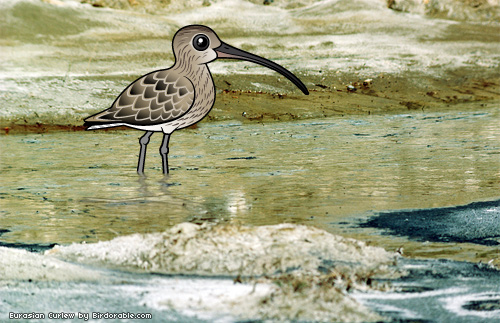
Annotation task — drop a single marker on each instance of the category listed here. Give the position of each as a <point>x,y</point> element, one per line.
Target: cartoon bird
<point>180,96</point>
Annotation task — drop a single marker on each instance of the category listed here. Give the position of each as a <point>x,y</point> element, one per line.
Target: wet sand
<point>241,98</point>
<point>56,76</point>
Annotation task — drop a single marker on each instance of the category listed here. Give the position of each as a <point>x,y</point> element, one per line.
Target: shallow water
<point>332,173</point>
<point>449,292</point>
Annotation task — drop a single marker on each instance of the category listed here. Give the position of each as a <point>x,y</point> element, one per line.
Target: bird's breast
<point>204,99</point>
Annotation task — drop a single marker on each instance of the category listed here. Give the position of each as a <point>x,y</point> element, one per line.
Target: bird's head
<point>197,44</point>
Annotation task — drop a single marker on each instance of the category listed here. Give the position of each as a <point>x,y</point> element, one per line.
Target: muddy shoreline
<point>239,98</point>
<point>63,60</point>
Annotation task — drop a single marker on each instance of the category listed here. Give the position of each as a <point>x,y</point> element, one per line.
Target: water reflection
<point>319,172</point>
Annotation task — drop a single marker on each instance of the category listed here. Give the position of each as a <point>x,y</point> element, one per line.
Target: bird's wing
<point>154,98</point>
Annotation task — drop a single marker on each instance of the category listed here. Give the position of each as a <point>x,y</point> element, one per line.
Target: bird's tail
<point>96,126</point>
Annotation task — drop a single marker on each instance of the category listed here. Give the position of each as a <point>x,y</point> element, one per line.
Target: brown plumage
<point>175,98</point>
<point>155,98</point>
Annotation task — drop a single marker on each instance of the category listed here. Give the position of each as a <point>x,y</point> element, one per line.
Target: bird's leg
<point>143,141</point>
<point>164,152</point>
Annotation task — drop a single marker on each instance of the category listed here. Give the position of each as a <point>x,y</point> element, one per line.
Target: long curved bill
<point>228,51</point>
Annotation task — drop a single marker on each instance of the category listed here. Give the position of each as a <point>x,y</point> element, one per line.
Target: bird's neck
<point>192,71</point>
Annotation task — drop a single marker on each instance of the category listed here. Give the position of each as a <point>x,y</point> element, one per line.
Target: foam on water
<point>22,265</point>
<point>307,272</point>
<point>457,304</point>
<point>229,250</point>
<point>323,264</point>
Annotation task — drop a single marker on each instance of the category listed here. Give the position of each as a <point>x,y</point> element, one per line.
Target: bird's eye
<point>201,42</point>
